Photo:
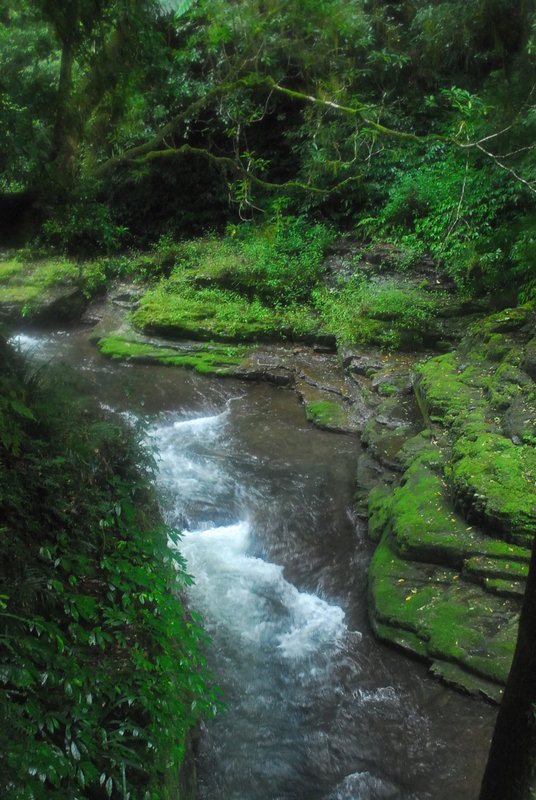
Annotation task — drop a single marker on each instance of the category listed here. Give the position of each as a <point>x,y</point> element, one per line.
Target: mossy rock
<point>326,414</point>
<point>396,420</point>
<point>494,481</point>
<point>506,385</point>
<point>441,392</point>
<point>180,311</point>
<point>391,382</point>
<point>504,587</point>
<point>424,449</point>
<point>425,526</point>
<point>439,585</point>
<point>214,359</point>
<point>379,511</point>
<point>459,678</point>
<point>508,320</point>
<point>506,568</point>
<point>497,347</point>
<point>529,358</point>
<point>441,616</point>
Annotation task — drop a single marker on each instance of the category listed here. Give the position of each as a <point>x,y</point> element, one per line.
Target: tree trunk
<point>66,129</point>
<point>511,768</point>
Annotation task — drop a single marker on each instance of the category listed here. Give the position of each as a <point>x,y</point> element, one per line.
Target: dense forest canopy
<point>411,120</point>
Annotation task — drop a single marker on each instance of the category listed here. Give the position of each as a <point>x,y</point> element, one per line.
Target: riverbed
<point>317,709</point>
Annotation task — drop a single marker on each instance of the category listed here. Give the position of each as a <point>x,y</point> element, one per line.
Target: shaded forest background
<point>123,121</point>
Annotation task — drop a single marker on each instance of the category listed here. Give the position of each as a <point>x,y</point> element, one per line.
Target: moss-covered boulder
<point>208,358</point>
<point>494,480</point>
<point>454,533</point>
<point>429,610</point>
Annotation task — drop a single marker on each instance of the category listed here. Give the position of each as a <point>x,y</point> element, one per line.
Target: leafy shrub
<point>456,209</point>
<point>101,671</point>
<point>83,225</point>
<point>285,260</point>
<point>360,311</point>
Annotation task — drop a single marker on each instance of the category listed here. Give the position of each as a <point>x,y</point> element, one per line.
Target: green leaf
<point>20,408</point>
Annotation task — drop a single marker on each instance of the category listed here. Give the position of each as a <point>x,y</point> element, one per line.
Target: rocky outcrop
<point>454,531</point>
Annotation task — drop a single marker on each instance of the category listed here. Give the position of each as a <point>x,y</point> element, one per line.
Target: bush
<point>285,259</point>
<point>101,671</point>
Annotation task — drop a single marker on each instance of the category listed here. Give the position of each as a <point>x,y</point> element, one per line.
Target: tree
<point>77,55</point>
<point>511,768</point>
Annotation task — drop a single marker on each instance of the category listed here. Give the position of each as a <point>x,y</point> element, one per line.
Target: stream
<point>317,708</point>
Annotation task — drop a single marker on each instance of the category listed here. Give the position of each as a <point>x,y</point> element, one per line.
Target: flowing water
<point>317,708</point>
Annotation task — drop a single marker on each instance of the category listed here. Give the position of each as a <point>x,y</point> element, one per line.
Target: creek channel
<point>317,708</point>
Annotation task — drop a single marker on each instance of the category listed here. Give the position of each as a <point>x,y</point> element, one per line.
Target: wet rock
<point>370,475</point>
<point>426,609</point>
<point>529,358</point>
<point>389,382</point>
<point>362,364</point>
<point>396,420</point>
<point>126,295</point>
<point>58,306</point>
<point>455,532</point>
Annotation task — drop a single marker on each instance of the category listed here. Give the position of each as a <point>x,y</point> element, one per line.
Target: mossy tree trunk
<point>65,136</point>
<point>511,768</point>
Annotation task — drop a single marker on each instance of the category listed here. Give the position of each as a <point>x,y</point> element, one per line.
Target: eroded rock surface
<point>454,532</point>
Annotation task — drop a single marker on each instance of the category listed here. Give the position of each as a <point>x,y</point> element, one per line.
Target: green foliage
<point>285,261</point>
<point>29,281</point>
<point>381,313</point>
<point>101,666</point>
<point>29,62</point>
<point>83,226</point>
<point>254,284</point>
<point>414,120</point>
<point>457,210</point>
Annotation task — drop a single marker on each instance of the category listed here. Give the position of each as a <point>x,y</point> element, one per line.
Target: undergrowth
<point>101,666</point>
<point>260,283</point>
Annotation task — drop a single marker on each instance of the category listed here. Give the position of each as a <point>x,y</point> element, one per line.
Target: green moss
<point>379,511</point>
<point>510,319</point>
<point>453,621</point>
<point>8,269</point>
<point>442,393</point>
<point>387,389</point>
<point>494,479</point>
<point>497,347</point>
<point>460,678</point>
<point>478,467</point>
<point>32,284</point>
<point>23,293</point>
<point>324,413</point>
<point>406,640</point>
<point>426,527</point>
<point>209,358</point>
<point>505,568</point>
<point>209,313</point>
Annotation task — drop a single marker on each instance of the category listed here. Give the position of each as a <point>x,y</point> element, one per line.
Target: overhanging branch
<point>157,148</point>
<point>235,166</point>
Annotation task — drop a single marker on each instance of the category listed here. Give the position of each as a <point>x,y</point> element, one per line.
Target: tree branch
<point>238,169</point>
<point>152,149</point>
